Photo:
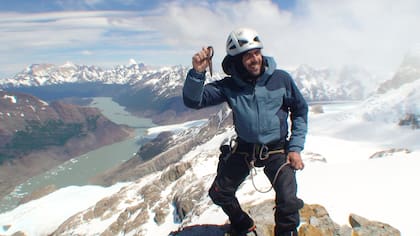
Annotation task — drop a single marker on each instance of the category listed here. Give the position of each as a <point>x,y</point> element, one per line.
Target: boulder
<point>364,227</point>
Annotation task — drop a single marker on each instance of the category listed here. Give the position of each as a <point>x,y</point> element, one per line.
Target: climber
<point>261,98</point>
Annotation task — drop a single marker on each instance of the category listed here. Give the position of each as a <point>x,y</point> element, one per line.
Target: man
<point>261,98</point>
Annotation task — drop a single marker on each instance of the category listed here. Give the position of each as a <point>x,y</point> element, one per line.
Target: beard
<point>254,69</point>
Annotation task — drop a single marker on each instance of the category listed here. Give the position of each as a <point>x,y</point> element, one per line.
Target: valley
<point>55,168</point>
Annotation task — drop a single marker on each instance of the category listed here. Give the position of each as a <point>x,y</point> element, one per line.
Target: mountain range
<point>350,83</point>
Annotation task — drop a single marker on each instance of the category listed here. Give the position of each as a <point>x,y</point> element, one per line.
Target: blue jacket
<point>260,110</point>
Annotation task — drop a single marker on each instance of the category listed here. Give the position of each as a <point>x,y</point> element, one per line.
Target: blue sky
<point>31,6</point>
<point>323,33</point>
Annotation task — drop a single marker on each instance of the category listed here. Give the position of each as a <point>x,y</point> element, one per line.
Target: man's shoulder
<point>224,80</point>
<point>229,82</point>
<point>281,73</point>
<point>278,79</point>
<point>280,76</point>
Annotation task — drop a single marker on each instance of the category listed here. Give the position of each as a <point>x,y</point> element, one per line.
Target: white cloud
<point>86,53</point>
<point>320,33</point>
<point>375,33</point>
<point>53,29</point>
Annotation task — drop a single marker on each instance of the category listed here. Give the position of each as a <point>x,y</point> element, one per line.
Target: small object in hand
<point>209,58</point>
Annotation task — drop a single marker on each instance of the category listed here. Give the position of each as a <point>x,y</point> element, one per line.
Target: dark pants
<point>233,171</point>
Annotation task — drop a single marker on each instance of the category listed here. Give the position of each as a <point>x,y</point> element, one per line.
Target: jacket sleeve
<point>197,95</point>
<point>299,118</point>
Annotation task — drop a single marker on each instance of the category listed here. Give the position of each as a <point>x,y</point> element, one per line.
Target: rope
<point>272,183</point>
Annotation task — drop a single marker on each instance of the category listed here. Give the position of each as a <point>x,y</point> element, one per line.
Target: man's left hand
<point>295,160</point>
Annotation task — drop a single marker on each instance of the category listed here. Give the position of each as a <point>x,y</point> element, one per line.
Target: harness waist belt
<point>259,151</point>
<point>249,147</point>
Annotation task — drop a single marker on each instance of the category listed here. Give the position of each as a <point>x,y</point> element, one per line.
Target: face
<point>252,61</point>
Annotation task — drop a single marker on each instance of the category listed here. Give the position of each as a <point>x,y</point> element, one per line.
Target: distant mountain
<point>409,71</point>
<point>49,74</point>
<point>349,83</point>
<point>398,99</point>
<point>36,135</point>
<point>395,105</point>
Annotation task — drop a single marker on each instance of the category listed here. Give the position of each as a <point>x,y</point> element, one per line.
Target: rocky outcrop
<point>154,147</point>
<point>389,152</point>
<point>317,109</point>
<point>409,71</point>
<point>412,120</point>
<point>364,227</point>
<point>185,203</point>
<point>315,221</point>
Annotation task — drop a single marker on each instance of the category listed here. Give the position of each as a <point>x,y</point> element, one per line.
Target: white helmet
<point>241,40</point>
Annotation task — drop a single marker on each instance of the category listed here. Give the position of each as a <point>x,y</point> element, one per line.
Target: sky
<point>374,34</point>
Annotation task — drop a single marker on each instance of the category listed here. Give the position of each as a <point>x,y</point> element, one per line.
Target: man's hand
<point>200,60</point>
<point>295,160</point>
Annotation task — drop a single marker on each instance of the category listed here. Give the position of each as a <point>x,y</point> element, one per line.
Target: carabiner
<point>264,153</point>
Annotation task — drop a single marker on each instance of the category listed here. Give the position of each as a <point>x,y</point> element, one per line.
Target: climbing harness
<point>263,154</point>
<point>209,59</point>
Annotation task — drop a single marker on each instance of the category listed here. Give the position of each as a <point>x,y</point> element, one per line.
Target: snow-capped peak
<point>69,64</point>
<point>132,62</point>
